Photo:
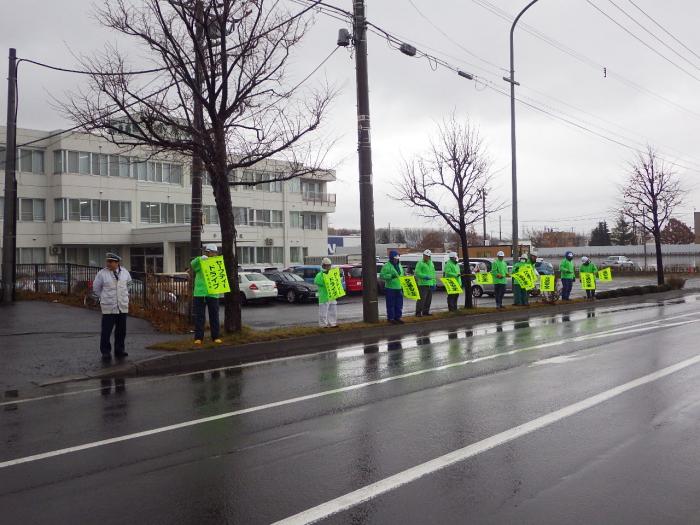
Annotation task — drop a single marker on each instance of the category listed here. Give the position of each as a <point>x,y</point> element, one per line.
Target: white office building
<point>80,196</point>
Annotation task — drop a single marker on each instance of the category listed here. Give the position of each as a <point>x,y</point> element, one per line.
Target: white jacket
<point>112,290</point>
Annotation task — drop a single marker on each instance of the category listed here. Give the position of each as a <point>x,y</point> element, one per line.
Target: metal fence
<point>157,297</point>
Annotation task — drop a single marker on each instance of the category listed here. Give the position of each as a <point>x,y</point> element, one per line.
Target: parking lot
<point>261,316</point>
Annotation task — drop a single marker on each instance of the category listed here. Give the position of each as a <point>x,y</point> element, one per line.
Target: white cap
<point>523,257</point>
<point>452,255</point>
<point>585,259</point>
<point>428,253</point>
<point>326,261</point>
<point>210,248</point>
<point>500,254</point>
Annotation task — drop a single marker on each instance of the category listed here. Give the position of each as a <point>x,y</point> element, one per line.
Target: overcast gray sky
<point>568,177</point>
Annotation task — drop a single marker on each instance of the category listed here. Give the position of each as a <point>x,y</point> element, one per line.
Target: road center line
<point>385,485</point>
<point>294,400</point>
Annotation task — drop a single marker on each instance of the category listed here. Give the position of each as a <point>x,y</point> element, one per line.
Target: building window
<point>263,254</point>
<point>295,254</point>
<point>307,221</point>
<point>210,215</point>
<point>240,216</point>
<point>91,210</point>
<point>165,213</point>
<point>245,254</point>
<point>278,255</point>
<point>30,161</point>
<point>31,255</point>
<point>294,185</point>
<point>32,210</point>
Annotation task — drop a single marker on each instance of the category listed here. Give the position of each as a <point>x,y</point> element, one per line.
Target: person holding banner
<point>587,266</point>
<point>202,300</point>
<point>519,293</point>
<point>567,275</point>
<point>425,277</point>
<point>390,274</point>
<point>451,271</point>
<point>327,307</point>
<point>499,270</point>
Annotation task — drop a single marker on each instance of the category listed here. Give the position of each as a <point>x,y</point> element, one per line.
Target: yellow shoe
<point>217,340</point>
<point>198,342</point>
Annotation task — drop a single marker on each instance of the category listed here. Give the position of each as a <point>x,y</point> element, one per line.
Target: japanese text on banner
<point>484,278</point>
<point>334,284</point>
<point>522,279</point>
<point>452,285</point>
<point>409,287</point>
<point>605,275</point>
<point>587,281</point>
<point>528,270</point>
<point>215,276</point>
<point>547,283</point>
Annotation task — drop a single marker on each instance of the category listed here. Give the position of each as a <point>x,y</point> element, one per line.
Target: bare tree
<point>446,182</point>
<point>649,196</point>
<point>227,57</point>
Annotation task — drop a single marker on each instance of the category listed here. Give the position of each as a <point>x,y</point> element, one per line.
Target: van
<point>410,260</point>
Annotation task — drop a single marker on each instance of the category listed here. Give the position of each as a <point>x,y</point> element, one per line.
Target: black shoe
<point>399,321</point>
<point>419,315</point>
<point>106,358</point>
<point>120,355</point>
<point>393,321</point>
<point>428,315</point>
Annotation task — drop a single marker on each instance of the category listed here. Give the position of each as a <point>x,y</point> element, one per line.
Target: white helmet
<point>210,248</point>
<point>500,254</point>
<point>326,261</point>
<point>428,253</point>
<point>585,259</point>
<point>452,255</point>
<point>523,257</point>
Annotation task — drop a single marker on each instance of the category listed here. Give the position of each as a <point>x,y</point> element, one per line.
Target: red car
<point>352,275</point>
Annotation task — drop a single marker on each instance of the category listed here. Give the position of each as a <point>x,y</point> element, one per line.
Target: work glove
<point>204,257</point>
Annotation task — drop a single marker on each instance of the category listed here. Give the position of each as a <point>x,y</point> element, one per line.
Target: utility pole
<point>500,231</point>
<point>483,212</point>
<point>370,307</point>
<point>9,227</point>
<point>198,115</point>
<point>513,163</point>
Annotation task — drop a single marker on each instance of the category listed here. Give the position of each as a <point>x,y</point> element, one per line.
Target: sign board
<point>215,276</point>
<point>452,285</point>
<point>409,287</point>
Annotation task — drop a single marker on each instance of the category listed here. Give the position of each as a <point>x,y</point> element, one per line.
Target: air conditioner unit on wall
<point>268,242</point>
<point>56,250</point>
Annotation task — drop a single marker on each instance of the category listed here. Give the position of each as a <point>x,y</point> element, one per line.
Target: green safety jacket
<point>499,267</point>
<point>451,270</point>
<point>322,290</point>
<point>390,275</point>
<point>566,269</point>
<point>425,273</point>
<point>200,285</point>
<point>588,268</point>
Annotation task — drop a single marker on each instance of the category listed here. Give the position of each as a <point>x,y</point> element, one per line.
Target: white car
<point>620,262</point>
<point>256,287</point>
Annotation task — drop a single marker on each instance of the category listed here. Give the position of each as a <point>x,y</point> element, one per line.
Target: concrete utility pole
<point>483,212</point>
<point>514,170</point>
<point>9,227</point>
<point>197,164</point>
<point>370,307</point>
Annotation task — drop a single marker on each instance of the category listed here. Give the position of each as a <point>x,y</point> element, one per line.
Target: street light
<point>513,164</point>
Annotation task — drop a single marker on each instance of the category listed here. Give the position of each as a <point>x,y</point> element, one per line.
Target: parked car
<point>256,287</point>
<point>621,262</point>
<point>308,272</point>
<point>257,268</point>
<point>380,282</point>
<point>480,289</point>
<point>291,287</point>
<point>544,268</point>
<point>352,277</point>
<point>410,260</point>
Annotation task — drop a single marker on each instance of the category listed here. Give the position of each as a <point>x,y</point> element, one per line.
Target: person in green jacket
<point>203,301</point>
<point>390,273</point>
<point>327,309</point>
<point>499,270</point>
<point>567,275</point>
<point>519,294</point>
<point>451,270</point>
<point>425,278</point>
<point>587,266</point>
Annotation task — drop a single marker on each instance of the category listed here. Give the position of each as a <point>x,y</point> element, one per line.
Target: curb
<point>308,345</point>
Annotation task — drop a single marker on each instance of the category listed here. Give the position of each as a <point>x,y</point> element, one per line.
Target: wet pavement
<point>558,419</point>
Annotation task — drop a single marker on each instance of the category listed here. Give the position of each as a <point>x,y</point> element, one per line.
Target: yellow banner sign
<point>587,281</point>
<point>524,280</point>
<point>334,284</point>
<point>452,285</point>
<point>484,278</point>
<point>215,276</point>
<point>409,287</point>
<point>530,272</point>
<point>547,283</point>
<point>605,275</point>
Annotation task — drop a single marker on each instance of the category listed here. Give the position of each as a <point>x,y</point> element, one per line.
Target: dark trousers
<point>520,295</point>
<point>566,286</point>
<point>394,304</point>
<point>452,299</point>
<point>590,294</point>
<point>499,291</point>
<point>200,307</point>
<point>116,322</point>
<point>426,298</point>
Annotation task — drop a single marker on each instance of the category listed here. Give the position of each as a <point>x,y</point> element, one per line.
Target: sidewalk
<point>41,342</point>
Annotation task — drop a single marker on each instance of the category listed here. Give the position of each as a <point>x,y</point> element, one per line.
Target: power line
<point>93,73</point>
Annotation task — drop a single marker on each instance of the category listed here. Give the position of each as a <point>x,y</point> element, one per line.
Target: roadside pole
<point>9,228</point>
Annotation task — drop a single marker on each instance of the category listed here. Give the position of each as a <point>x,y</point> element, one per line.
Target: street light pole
<point>9,227</point>
<point>513,163</point>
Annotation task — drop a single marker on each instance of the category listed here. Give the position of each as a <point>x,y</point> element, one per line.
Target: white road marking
<point>345,350</point>
<point>373,490</point>
<point>284,402</point>
<point>557,360</point>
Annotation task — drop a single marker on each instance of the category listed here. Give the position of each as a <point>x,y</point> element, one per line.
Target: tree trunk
<point>466,280</point>
<point>224,206</point>
<point>659,258</point>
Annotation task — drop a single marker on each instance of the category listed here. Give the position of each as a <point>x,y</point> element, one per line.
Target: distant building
<point>697,227</point>
<point>79,196</point>
<point>553,239</point>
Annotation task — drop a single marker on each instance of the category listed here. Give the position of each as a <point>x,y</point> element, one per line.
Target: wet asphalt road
<point>283,437</point>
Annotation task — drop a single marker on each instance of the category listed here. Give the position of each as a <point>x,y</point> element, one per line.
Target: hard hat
<point>540,259</point>
<point>567,254</point>
<point>428,253</point>
<point>452,255</point>
<point>523,257</point>
<point>210,248</point>
<point>326,261</point>
<point>533,252</point>
<point>585,259</point>
<point>500,254</point>
<point>113,257</point>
